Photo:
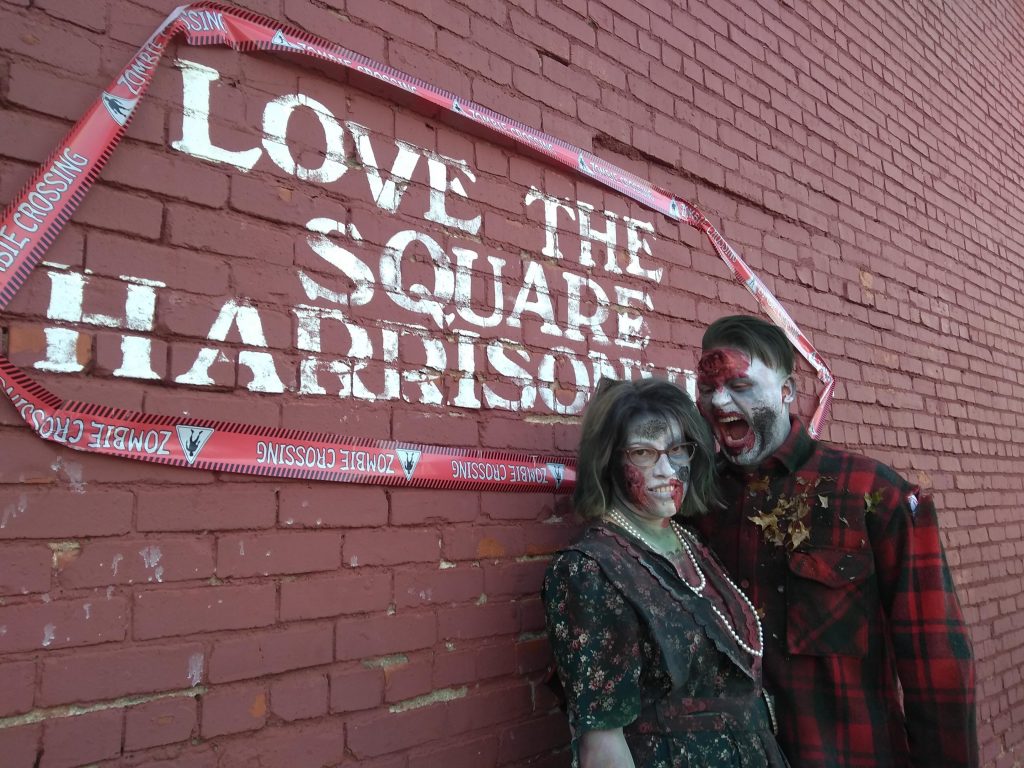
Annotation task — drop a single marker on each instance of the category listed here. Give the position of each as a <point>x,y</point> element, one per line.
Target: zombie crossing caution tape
<point>33,220</point>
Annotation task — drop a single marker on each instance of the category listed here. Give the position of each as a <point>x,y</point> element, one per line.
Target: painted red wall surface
<point>865,159</point>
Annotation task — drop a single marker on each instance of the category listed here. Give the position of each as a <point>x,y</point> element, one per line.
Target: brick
<point>531,614</point>
<point>140,167</point>
<point>155,723</point>
<point>390,547</point>
<point>289,552</point>
<point>270,652</point>
<point>383,734</point>
<point>299,696</point>
<point>58,514</point>
<point>416,507</point>
<point>109,254</point>
<point>41,39</point>
<point>287,746</point>
<point>357,688</point>
<point>234,709</point>
<point>130,212</point>
<point>25,569</point>
<point>455,667</point>
<point>469,754</point>
<point>169,612</point>
<point>372,636</point>
<point>443,428</point>
<point>533,737</point>
<point>72,741</point>
<point>17,681</point>
<point>20,744</point>
<point>223,507</point>
<point>497,705</point>
<point>479,542</point>
<point>27,345</point>
<point>358,592</point>
<point>476,621</point>
<point>533,655</point>
<point>207,230</point>
<point>63,624</point>
<point>407,680</point>
<point>119,672</point>
<point>514,579</point>
<point>146,561</point>
<point>422,586</point>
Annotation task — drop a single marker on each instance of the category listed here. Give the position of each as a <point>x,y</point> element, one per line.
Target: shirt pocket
<point>828,599</point>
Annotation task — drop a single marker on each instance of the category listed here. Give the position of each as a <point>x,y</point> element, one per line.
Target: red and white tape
<point>33,220</point>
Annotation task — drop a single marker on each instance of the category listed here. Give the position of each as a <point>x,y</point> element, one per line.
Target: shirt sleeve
<point>594,635</point>
<point>929,637</point>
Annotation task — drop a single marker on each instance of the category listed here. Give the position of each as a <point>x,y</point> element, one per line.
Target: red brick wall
<point>864,159</point>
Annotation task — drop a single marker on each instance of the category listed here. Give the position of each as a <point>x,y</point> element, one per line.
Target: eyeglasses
<point>645,457</point>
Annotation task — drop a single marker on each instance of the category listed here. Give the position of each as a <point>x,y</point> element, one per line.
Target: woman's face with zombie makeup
<point>746,402</point>
<point>655,492</point>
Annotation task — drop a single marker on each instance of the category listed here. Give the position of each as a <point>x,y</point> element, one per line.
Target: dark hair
<point>757,337</point>
<point>599,472</point>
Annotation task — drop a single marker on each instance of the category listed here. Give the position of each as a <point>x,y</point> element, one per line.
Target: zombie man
<point>865,646</point>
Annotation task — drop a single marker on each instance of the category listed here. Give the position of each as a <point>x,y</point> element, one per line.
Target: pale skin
<point>746,403</point>
<point>650,510</point>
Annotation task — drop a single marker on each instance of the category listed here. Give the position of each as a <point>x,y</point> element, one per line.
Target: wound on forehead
<point>718,366</point>
<point>650,427</point>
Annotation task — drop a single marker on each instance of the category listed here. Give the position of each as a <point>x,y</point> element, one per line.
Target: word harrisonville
<point>406,298</point>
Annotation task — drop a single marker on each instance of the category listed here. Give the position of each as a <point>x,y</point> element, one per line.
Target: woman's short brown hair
<point>599,472</point>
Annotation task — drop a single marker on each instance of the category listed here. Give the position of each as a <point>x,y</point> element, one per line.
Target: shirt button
<point>781,588</point>
<point>745,584</point>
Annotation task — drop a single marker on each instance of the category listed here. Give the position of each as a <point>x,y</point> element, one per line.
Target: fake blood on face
<point>720,366</point>
<point>636,486</point>
<point>716,369</point>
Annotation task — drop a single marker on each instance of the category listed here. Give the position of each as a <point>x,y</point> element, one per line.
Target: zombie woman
<point>658,652</point>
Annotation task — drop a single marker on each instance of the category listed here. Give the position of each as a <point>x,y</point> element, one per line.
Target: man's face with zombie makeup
<point>746,402</point>
<point>656,467</point>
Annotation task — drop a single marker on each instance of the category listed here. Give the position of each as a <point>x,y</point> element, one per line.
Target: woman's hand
<point>605,749</point>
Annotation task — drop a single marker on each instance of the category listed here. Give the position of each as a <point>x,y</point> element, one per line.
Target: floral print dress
<point>637,649</point>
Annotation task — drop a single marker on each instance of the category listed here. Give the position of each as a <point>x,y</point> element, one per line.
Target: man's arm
<point>931,642</point>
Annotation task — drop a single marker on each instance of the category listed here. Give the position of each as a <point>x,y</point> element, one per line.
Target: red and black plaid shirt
<point>856,602</point>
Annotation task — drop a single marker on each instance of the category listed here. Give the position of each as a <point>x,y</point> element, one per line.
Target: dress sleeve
<point>930,639</point>
<point>595,636</point>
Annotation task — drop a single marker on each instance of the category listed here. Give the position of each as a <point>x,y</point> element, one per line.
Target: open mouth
<point>734,432</point>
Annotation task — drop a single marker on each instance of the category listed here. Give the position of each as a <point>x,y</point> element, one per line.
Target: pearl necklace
<point>682,534</point>
<point>621,520</point>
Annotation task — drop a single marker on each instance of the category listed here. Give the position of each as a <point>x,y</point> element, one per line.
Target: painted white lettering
<point>276,115</point>
<point>344,260</point>
<point>575,317</point>
<point>418,298</point>
<point>635,243</point>
<point>534,281</point>
<point>588,235</point>
<point>551,207</point>
<point>464,259</point>
<point>195,125</point>
<point>387,195</point>
<point>440,185</point>
<point>241,314</point>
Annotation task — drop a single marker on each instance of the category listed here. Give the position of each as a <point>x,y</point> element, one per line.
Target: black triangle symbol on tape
<point>280,39</point>
<point>192,440</point>
<point>409,459</point>
<point>557,472</point>
<point>120,109</point>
